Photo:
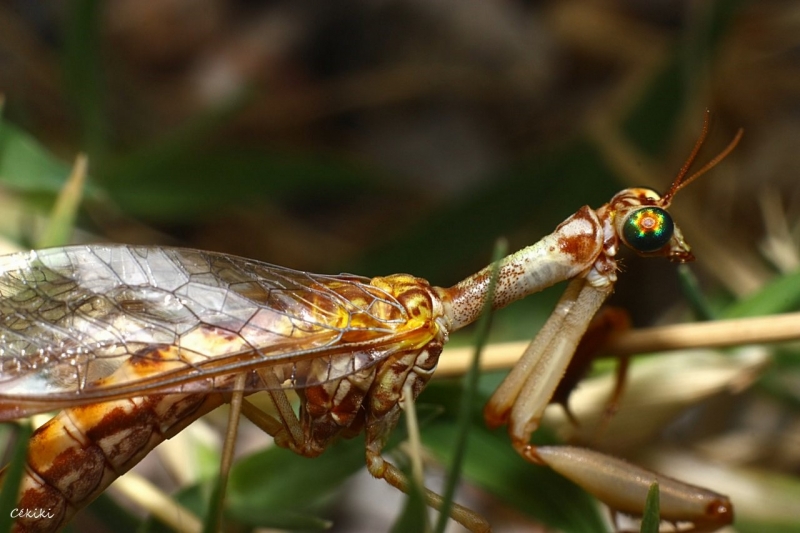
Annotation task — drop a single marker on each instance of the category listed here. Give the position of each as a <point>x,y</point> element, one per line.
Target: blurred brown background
<point>404,135</point>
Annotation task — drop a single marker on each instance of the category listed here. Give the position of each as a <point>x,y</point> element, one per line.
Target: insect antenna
<point>681,180</point>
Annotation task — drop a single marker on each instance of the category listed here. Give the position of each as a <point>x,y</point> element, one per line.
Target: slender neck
<point>564,254</point>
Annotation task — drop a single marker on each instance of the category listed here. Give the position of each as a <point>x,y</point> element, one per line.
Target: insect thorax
<point>369,398</point>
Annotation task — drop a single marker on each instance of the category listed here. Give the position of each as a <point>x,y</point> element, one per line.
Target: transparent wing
<point>88,323</point>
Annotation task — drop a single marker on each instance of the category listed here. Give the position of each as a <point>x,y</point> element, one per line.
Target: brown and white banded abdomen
<point>81,451</point>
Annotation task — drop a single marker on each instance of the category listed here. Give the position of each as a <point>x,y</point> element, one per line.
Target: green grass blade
<point>83,72</point>
<point>694,295</point>
<point>213,518</point>
<point>778,296</point>
<point>61,222</point>
<point>13,476</point>
<point>651,519</point>
<point>26,166</point>
<point>414,516</point>
<point>469,393</point>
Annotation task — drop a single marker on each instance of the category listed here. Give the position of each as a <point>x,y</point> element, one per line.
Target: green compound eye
<point>648,229</point>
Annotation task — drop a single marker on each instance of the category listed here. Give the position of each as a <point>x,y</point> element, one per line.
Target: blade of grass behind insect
<point>470,388</point>
<point>414,516</point>
<point>651,519</point>
<point>13,476</point>
<point>62,219</point>
<point>694,296</point>
<point>25,165</point>
<point>778,296</point>
<point>213,519</point>
<point>270,487</point>
<point>83,72</point>
<point>114,516</point>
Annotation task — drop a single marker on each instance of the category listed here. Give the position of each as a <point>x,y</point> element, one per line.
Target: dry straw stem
<point>718,334</point>
<point>146,495</point>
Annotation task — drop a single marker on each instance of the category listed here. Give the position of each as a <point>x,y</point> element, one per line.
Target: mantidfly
<point>134,343</point>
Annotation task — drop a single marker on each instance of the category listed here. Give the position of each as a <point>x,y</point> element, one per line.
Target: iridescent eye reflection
<point>648,229</point>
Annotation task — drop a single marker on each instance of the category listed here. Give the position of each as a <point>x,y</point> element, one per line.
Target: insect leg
<point>621,486</point>
<point>383,469</point>
<point>606,326</point>
<point>286,428</point>
<point>522,397</point>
